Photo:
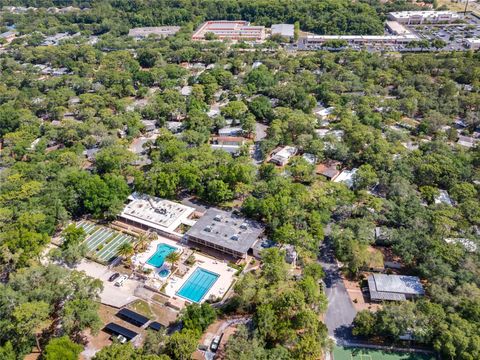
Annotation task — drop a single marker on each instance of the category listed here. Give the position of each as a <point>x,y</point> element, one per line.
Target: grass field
<point>350,353</point>
<point>102,242</point>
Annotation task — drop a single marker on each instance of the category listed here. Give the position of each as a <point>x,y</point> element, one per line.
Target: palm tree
<point>142,242</point>
<point>173,258</point>
<point>125,250</point>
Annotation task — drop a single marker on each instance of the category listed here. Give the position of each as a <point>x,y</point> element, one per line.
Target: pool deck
<point>174,283</point>
<point>142,258</point>
<point>218,289</point>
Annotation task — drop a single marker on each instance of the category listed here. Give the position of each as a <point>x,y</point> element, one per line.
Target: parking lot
<point>454,35</point>
<point>103,243</point>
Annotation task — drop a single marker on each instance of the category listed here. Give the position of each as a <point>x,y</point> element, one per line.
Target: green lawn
<point>352,353</point>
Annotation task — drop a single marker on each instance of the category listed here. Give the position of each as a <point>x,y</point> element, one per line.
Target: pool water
<point>163,250</point>
<point>164,273</point>
<point>197,285</point>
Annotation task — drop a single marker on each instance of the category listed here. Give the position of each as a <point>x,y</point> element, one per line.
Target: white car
<point>121,280</point>
<point>120,338</point>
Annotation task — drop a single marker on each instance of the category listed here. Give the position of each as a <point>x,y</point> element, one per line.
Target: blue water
<point>164,273</point>
<point>197,285</point>
<point>163,250</point>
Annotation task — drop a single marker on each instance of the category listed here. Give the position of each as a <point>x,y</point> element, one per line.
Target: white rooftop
<point>286,153</point>
<point>161,214</point>
<point>286,30</point>
<point>346,176</point>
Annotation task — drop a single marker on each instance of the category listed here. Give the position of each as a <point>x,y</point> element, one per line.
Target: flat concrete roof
<point>283,29</point>
<point>394,287</point>
<point>156,213</point>
<point>227,230</point>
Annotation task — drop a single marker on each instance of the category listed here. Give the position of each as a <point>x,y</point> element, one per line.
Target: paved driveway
<point>111,294</point>
<point>340,312</point>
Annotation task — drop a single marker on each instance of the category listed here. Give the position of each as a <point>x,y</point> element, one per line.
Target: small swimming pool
<point>197,285</point>
<point>163,250</point>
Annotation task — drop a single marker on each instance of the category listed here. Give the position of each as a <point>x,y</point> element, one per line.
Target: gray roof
<point>227,230</point>
<point>394,287</point>
<point>283,30</point>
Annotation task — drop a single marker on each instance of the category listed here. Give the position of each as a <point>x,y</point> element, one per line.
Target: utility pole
<point>465,11</point>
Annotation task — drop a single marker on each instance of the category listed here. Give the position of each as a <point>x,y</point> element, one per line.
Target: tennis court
<point>355,353</point>
<point>102,242</point>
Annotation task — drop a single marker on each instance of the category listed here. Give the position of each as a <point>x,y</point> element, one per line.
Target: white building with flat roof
<point>420,17</point>
<point>315,41</point>
<point>160,31</point>
<point>230,30</point>
<point>155,214</point>
<point>285,30</point>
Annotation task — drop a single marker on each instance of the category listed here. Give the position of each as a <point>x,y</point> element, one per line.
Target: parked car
<point>120,338</point>
<point>215,343</point>
<point>121,280</point>
<point>113,277</point>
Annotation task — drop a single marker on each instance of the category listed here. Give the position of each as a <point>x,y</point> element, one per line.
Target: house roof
<point>394,287</point>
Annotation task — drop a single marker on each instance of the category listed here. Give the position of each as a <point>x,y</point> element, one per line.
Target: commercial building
<point>230,30</point>
<point>394,287</point>
<point>285,30</point>
<point>226,232</point>
<point>420,17</point>
<point>281,156</point>
<point>396,28</point>
<point>160,31</point>
<point>155,214</point>
<point>316,41</point>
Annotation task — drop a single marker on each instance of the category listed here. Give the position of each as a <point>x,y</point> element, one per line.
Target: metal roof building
<point>116,329</point>
<point>132,317</point>
<point>394,287</point>
<point>225,232</point>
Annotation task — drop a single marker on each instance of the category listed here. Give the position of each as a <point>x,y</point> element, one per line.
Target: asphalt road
<point>340,312</point>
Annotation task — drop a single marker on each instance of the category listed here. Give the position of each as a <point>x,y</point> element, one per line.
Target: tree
<point>173,258</point>
<point>62,348</point>
<point>235,110</point>
<point>181,344</point>
<point>126,250</point>
<point>198,317</point>
<point>261,107</point>
<point>364,323</point>
<point>365,177</point>
<point>218,191</point>
<point>78,315</point>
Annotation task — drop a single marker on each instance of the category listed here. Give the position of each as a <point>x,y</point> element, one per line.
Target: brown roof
<point>328,169</point>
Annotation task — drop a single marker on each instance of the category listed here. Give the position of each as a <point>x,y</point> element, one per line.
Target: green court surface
<point>355,353</point>
<point>102,242</point>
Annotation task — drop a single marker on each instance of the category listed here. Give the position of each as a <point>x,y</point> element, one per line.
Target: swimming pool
<point>197,285</point>
<point>163,250</point>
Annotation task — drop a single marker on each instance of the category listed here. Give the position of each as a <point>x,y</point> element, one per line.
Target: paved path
<point>340,312</point>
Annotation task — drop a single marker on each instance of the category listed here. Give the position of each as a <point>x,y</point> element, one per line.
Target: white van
<point>121,280</point>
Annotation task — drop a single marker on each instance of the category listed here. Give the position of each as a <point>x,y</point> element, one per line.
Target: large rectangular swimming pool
<point>197,285</point>
<point>163,250</point>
